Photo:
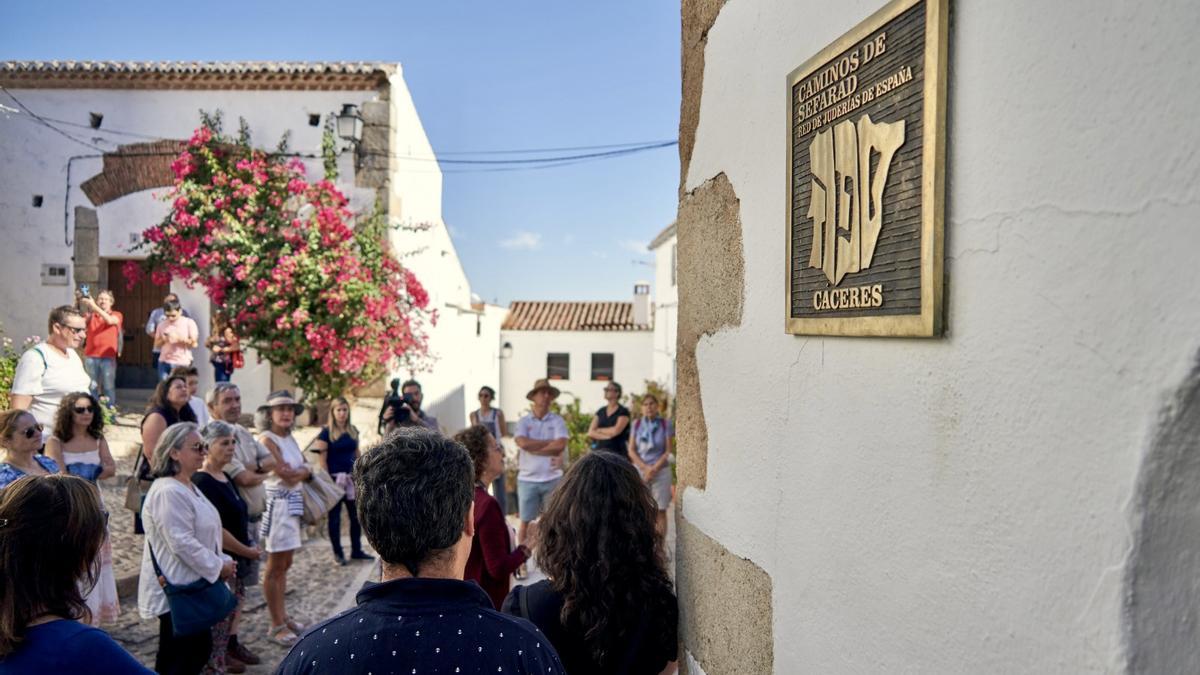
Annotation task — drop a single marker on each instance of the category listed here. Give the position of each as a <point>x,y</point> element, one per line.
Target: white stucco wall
<point>35,160</point>
<point>963,504</point>
<point>666,313</point>
<point>632,365</point>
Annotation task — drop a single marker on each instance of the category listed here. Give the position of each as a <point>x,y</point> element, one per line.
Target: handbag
<point>133,484</point>
<point>237,359</point>
<point>195,607</point>
<point>321,493</point>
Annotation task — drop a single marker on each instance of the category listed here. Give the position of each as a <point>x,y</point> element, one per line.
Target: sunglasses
<point>485,395</point>
<point>84,410</point>
<point>33,431</point>
<point>77,331</point>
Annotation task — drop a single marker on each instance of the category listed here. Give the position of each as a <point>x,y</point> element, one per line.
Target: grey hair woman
<point>163,463</point>
<point>216,430</point>
<point>183,534</point>
<point>236,539</point>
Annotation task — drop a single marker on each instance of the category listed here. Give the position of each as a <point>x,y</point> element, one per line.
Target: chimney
<point>641,303</point>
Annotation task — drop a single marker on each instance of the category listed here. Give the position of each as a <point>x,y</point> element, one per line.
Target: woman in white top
<point>184,531</point>
<point>51,370</point>
<point>280,528</point>
<point>79,448</point>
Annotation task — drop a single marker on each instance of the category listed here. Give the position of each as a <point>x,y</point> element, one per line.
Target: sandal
<point>296,626</point>
<point>282,635</point>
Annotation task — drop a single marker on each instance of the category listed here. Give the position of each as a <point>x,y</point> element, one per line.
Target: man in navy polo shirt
<point>416,503</point>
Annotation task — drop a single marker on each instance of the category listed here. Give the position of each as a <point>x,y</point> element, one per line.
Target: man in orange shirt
<point>105,338</point>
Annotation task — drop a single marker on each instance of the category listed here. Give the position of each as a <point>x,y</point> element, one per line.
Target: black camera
<point>400,414</point>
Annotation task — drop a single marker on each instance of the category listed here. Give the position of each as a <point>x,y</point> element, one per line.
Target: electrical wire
<point>525,151</point>
<point>47,124</point>
<point>535,160</point>
<point>621,149</point>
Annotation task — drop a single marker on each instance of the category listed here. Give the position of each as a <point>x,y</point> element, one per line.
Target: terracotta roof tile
<point>339,75</point>
<point>598,316</point>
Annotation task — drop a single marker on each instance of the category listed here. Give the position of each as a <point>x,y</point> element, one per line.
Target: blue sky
<point>485,76</point>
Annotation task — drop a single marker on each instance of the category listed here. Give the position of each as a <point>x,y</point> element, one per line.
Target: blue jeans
<point>220,372</point>
<point>164,369</point>
<point>335,528</point>
<point>532,497</point>
<point>103,372</point>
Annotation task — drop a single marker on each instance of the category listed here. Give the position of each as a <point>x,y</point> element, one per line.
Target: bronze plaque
<point>866,167</point>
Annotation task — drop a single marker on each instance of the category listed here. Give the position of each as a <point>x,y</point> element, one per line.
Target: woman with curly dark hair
<point>492,560</point>
<point>79,448</point>
<point>608,605</point>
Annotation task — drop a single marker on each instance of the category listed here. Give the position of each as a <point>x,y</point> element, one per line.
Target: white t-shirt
<point>202,417</point>
<point>537,468</point>
<point>290,450</point>
<point>48,376</point>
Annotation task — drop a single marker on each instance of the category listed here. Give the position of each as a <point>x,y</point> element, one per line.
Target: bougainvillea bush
<point>308,284</point>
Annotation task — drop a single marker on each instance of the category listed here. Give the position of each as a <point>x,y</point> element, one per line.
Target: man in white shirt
<point>542,438</point>
<point>49,371</point>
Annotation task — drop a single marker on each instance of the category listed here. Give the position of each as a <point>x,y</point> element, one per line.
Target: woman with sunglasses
<point>21,438</point>
<point>78,444</point>
<point>183,536</point>
<point>79,448</point>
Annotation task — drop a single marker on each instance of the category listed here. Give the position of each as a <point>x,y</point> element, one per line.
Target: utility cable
<point>47,124</point>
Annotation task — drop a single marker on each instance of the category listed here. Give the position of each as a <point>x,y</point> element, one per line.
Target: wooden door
<point>135,368</point>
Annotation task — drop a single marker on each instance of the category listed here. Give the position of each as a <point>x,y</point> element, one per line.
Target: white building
<point>579,346</point>
<point>90,143</point>
<point>1018,495</point>
<point>666,306</point>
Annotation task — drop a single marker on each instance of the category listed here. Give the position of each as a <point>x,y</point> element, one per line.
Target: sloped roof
<point>667,233</point>
<point>336,75</point>
<point>597,316</point>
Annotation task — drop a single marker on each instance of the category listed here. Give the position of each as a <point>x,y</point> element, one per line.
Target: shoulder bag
<point>320,494</point>
<point>195,607</point>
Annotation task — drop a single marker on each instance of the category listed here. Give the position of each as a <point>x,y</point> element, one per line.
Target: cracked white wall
<point>963,504</point>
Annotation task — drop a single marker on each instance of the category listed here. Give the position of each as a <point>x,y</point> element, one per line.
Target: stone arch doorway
<point>128,170</point>
<point>1162,581</point>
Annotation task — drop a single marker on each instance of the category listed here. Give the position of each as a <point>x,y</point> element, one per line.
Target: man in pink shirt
<point>175,336</point>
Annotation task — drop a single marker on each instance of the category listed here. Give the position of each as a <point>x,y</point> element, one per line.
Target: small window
<point>602,367</point>
<point>558,366</point>
<point>314,120</point>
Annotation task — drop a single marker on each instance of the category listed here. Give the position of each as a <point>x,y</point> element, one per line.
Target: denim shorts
<point>532,497</point>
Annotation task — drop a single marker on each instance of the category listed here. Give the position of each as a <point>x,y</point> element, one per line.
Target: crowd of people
<point>216,500</point>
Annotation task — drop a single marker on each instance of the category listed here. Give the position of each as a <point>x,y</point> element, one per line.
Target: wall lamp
<point>350,124</point>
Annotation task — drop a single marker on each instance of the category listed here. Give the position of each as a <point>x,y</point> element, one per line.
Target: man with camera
<point>402,408</point>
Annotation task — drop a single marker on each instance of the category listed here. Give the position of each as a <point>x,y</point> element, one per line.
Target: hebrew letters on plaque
<point>850,166</point>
